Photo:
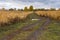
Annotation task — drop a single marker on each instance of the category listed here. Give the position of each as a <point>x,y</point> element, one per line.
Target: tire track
<point>35,34</point>
<point>25,28</point>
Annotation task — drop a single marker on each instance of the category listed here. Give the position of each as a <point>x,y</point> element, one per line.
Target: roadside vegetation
<point>12,20</point>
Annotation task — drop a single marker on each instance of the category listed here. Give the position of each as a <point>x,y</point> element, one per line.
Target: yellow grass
<point>53,14</point>
<point>5,16</point>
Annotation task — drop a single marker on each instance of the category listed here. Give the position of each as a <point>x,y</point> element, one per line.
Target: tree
<point>11,9</point>
<point>14,8</point>
<point>52,9</point>
<point>42,9</point>
<point>31,8</point>
<point>19,10</point>
<point>25,9</point>
<point>3,9</point>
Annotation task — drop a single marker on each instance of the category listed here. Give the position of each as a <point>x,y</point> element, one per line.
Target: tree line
<point>31,8</point>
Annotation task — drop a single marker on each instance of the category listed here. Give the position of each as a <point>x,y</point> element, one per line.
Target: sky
<point>36,3</point>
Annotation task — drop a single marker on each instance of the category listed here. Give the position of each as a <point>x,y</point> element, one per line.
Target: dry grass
<point>8,16</point>
<point>52,14</point>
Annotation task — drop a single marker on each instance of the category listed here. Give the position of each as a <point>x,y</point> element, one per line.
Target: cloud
<point>36,3</point>
<point>8,5</point>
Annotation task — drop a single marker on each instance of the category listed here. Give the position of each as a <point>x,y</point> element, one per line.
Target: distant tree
<point>18,9</point>
<point>31,8</point>
<point>3,9</point>
<point>25,9</point>
<point>52,9</point>
<point>21,9</point>
<point>14,8</point>
<point>42,9</point>
<point>11,9</point>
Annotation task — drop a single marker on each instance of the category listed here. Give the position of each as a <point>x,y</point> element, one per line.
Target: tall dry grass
<point>6,17</point>
<point>51,14</point>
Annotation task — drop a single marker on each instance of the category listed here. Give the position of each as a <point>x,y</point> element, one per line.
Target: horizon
<point>20,4</point>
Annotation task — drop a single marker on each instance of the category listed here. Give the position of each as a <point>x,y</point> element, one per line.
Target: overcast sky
<point>36,3</point>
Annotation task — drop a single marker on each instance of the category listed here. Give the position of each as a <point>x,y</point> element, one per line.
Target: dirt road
<point>10,36</point>
<point>34,35</point>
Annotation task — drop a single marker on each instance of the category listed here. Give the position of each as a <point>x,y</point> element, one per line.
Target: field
<point>18,25</point>
<point>6,16</point>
